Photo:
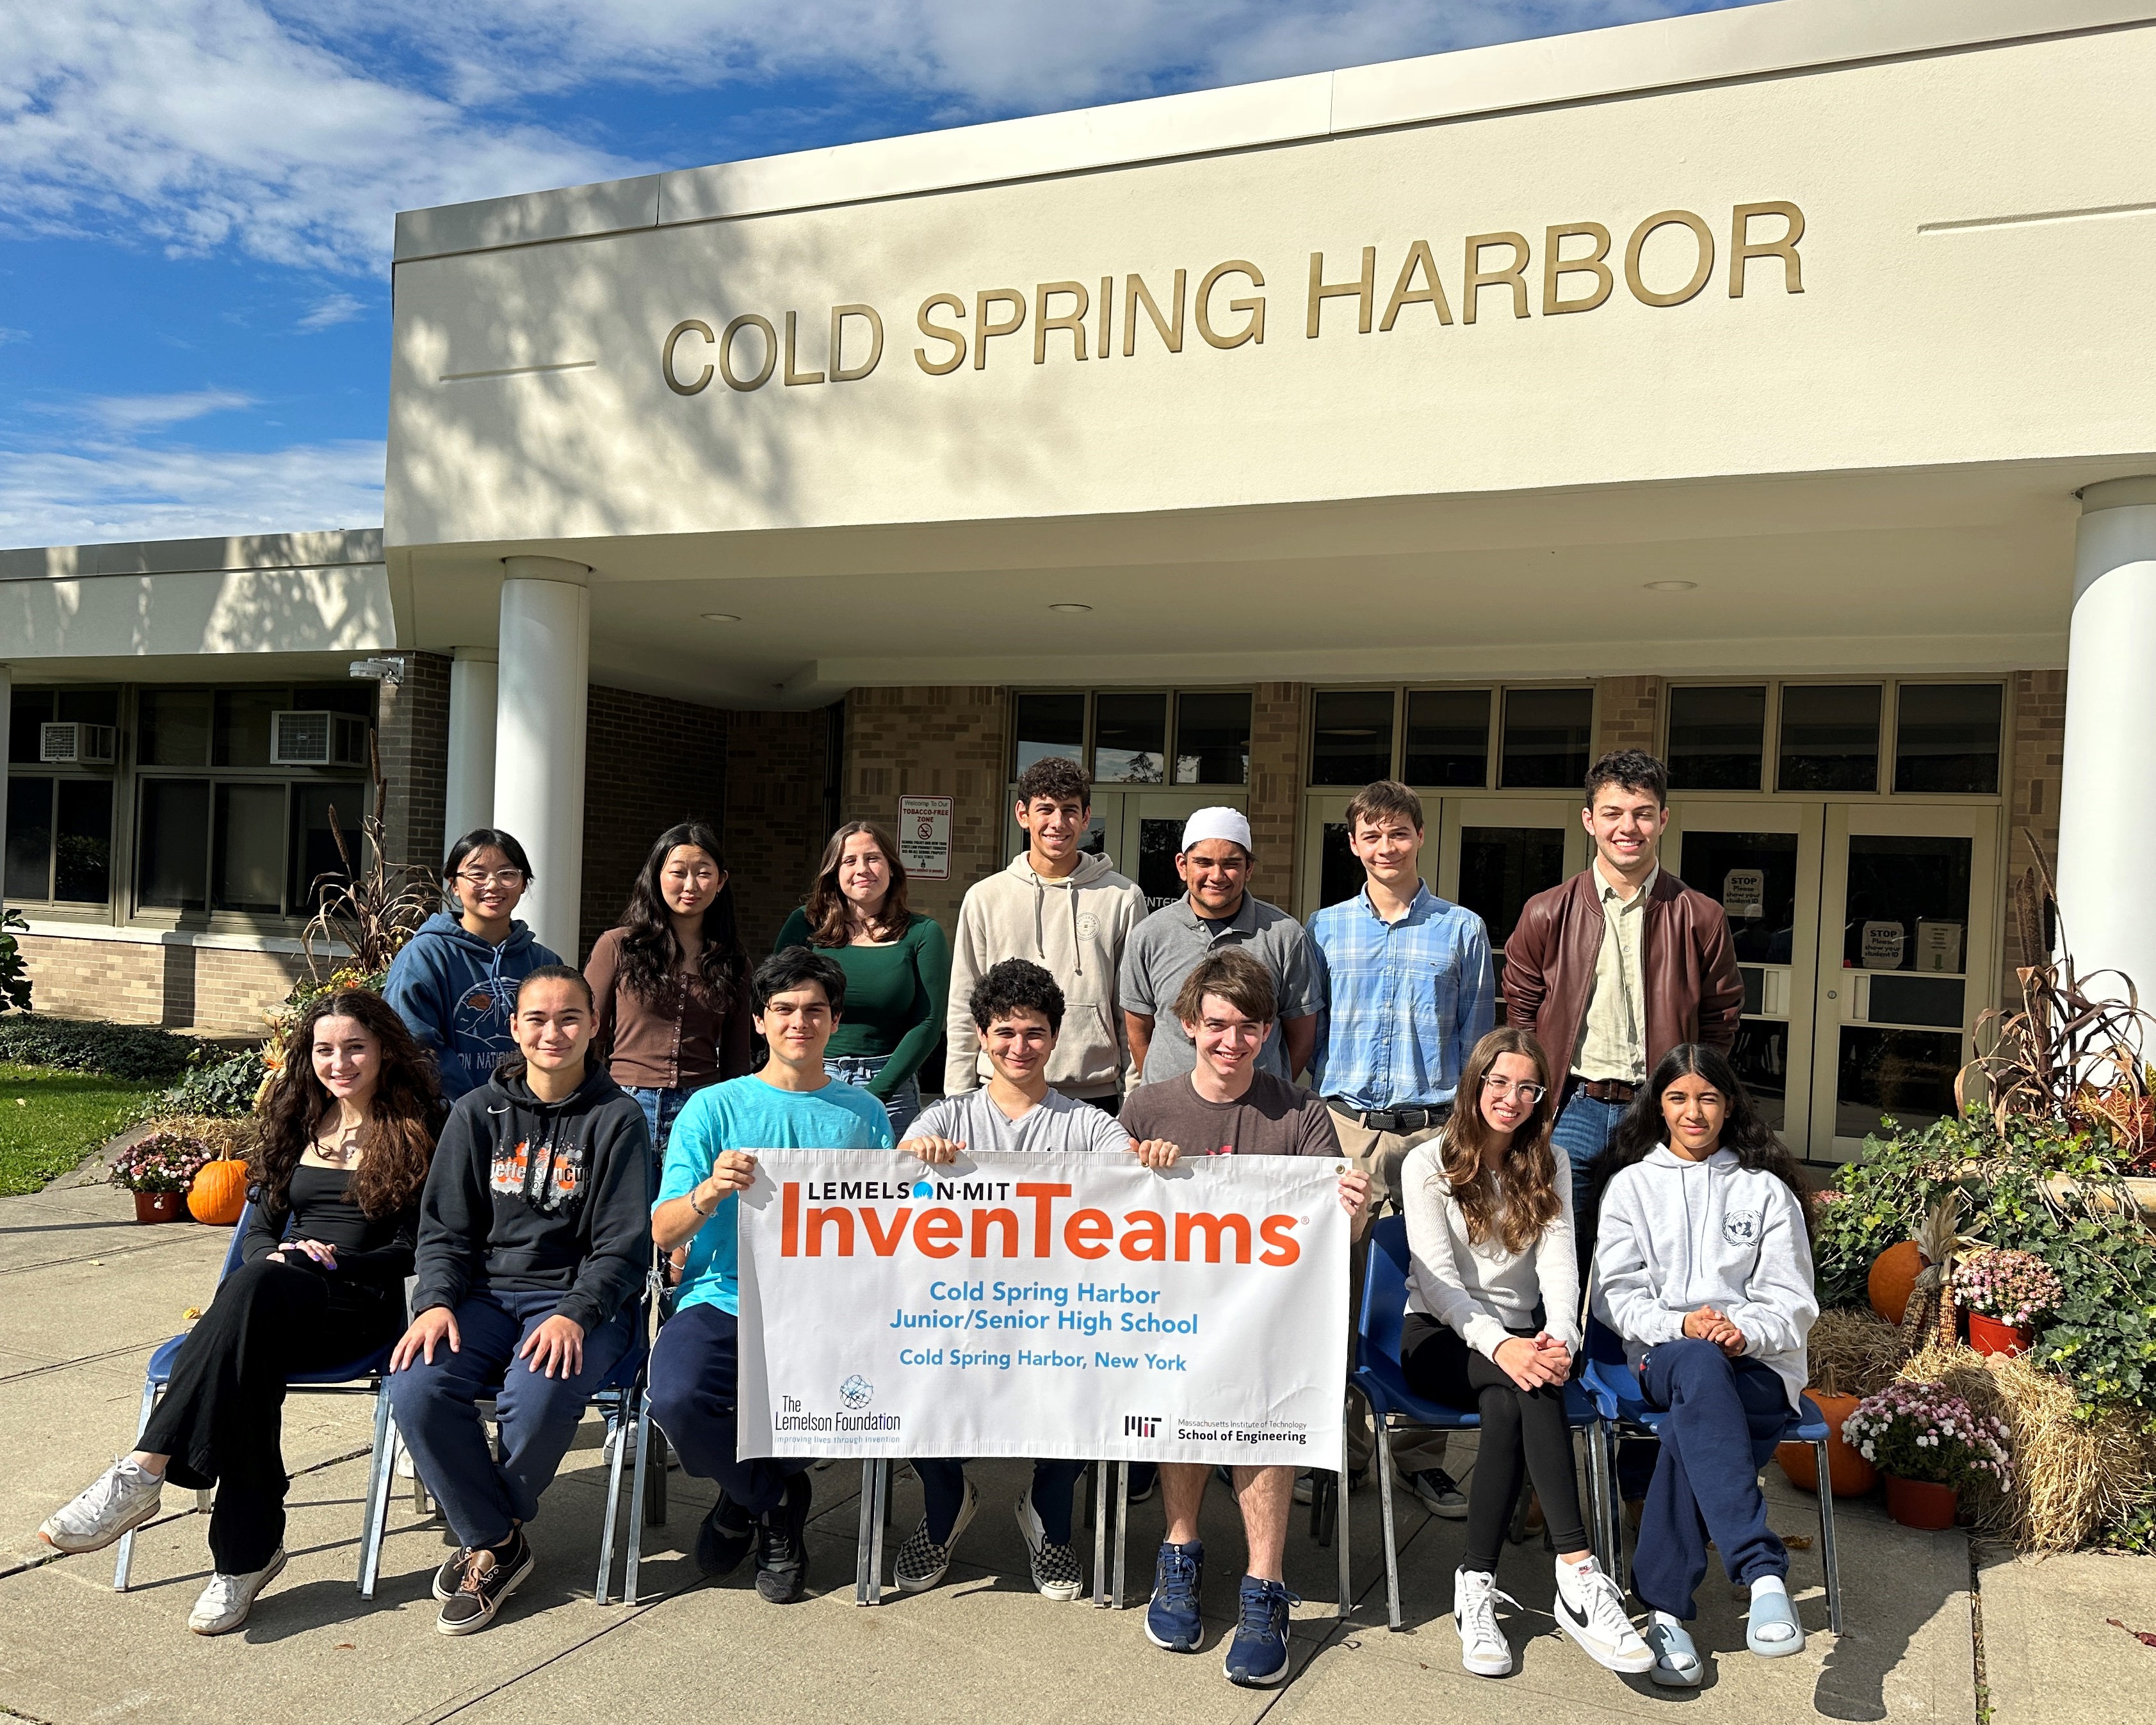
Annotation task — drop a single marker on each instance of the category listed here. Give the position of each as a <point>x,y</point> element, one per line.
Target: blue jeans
<point>902,1105</point>
<point>661,1108</point>
<point>1583,1130</point>
<point>1721,1419</point>
<point>436,1406</point>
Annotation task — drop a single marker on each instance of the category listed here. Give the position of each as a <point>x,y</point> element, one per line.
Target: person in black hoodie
<point>533,1241</point>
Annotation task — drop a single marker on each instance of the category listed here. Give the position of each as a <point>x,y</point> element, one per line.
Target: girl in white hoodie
<point>1702,1265</point>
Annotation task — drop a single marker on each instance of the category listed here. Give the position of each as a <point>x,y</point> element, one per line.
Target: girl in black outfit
<point>335,1180</point>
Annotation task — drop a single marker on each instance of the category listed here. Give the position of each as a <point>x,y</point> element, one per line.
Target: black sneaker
<point>724,1538</point>
<point>1440,1493</point>
<point>451,1575</point>
<point>490,1577</point>
<point>782,1545</point>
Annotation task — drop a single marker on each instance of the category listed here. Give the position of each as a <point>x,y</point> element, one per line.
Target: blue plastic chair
<point>1379,1376</point>
<point>1622,1410</point>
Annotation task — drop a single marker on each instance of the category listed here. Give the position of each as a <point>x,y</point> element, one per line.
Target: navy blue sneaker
<point>1172,1619</point>
<point>1258,1655</point>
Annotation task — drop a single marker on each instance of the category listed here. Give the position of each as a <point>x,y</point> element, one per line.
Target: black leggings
<point>1520,1428</point>
<point>221,1417</point>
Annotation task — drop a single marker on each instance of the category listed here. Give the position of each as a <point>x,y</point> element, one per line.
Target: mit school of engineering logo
<point>1141,1425</point>
<point>856,1392</point>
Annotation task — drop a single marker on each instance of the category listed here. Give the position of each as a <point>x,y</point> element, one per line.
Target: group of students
<point>521,1137</point>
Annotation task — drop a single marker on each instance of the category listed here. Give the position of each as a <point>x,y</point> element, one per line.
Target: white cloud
<point>337,308</point>
<point>153,412</point>
<point>8,335</point>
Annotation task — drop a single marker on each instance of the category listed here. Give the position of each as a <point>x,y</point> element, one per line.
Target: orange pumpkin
<point>1848,1472</point>
<point>219,1193</point>
<point>1893,1277</point>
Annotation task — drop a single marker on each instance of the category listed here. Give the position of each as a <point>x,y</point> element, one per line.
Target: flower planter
<point>1848,1473</point>
<point>1987,1335</point>
<point>1921,1503</point>
<point>161,1207</point>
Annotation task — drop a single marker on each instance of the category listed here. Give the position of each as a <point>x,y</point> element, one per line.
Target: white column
<point>6,712</point>
<point>2107,817</point>
<point>469,798</point>
<point>539,736</point>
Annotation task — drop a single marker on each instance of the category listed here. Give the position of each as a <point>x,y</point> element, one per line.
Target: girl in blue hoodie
<point>455,981</point>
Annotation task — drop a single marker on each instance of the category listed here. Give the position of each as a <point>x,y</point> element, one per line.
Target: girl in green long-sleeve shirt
<point>897,966</point>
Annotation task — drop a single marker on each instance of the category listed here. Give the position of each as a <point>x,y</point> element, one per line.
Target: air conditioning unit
<point>317,739</point>
<point>71,745</point>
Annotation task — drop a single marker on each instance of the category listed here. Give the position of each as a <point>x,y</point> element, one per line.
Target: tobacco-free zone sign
<point>1076,1307</point>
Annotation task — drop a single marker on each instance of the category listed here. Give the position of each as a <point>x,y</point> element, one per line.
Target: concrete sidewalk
<point>87,1294</point>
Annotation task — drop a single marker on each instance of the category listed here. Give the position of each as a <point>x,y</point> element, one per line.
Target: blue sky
<point>196,196</point>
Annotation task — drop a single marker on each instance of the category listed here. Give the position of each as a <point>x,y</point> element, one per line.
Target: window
<point>256,846</point>
<point>28,709</point>
<point>1717,738</point>
<point>1830,737</point>
<point>240,729</point>
<point>174,727</point>
<point>1048,726</point>
<point>59,821</point>
<point>1213,739</point>
<point>1351,736</point>
<point>1548,732</point>
<point>1448,737</point>
<point>316,858</point>
<point>1126,735</point>
<point>1130,739</point>
<point>172,844</point>
<point>1946,738</point>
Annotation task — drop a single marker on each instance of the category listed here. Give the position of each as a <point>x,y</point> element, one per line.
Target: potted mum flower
<point>1928,1444</point>
<point>158,1170</point>
<point>2005,1292</point>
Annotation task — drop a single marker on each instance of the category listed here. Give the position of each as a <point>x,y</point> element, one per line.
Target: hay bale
<point>2072,1477</point>
<point>1853,1351</point>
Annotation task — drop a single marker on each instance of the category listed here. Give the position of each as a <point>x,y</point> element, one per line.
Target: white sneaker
<point>1483,1648</point>
<point>226,1601</point>
<point>117,1501</point>
<point>1590,1608</point>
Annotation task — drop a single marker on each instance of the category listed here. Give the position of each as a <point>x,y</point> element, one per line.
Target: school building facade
<point>1770,389</point>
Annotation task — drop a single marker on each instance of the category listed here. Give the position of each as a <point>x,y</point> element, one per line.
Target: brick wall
<point>650,763</point>
<point>2037,747</point>
<point>777,816</point>
<point>1277,775</point>
<point>931,742</point>
<point>151,981</point>
<point>233,989</point>
<point>413,740</point>
<point>1627,714</point>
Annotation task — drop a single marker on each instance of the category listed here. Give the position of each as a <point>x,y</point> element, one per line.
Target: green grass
<point>50,1120</point>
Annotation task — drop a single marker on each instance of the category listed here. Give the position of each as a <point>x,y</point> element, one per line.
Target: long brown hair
<point>403,1119</point>
<point>1517,1202</point>
<point>651,950</point>
<point>829,910</point>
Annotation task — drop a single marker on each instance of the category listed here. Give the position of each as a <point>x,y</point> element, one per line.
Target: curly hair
<point>1516,1202</point>
<point>404,1118</point>
<point>1016,985</point>
<point>830,915</point>
<point>650,950</point>
<point>1744,1129</point>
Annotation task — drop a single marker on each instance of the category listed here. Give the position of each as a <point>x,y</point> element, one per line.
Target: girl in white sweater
<point>1491,1328</point>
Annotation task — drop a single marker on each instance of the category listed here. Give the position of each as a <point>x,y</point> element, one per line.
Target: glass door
<point>1496,853</point>
<point>1329,872</point>
<point>1907,903</point>
<point>1760,862</point>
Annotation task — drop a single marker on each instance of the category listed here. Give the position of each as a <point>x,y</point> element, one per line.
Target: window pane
<point>173,847</point>
<point>1130,739</point>
<point>88,707</point>
<point>1351,736</point>
<point>29,837</point>
<point>174,725</point>
<point>1830,738</point>
<point>1501,868</point>
<point>82,870</point>
<point>1547,734</point>
<point>249,869</point>
<point>1717,738</point>
<point>1447,740</point>
<point>1908,1074</point>
<point>1213,739</point>
<point>1946,737</point>
<point>355,695</point>
<point>1048,726</point>
<point>28,709</point>
<point>243,726</point>
<point>1907,903</point>
<point>1339,870</point>
<point>314,847</point>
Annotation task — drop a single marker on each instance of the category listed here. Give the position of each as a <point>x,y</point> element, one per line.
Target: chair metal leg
<point>1597,1525</point>
<point>1827,1554</point>
<point>654,1494</point>
<point>126,1559</point>
<point>639,1503</point>
<point>1122,1527</point>
<point>883,1471</point>
<point>1619,1571</point>
<point>1340,1541</point>
<point>620,1428</point>
<point>868,1558</point>
<point>1098,1492</point>
<point>380,1474</point>
<point>1392,1537</point>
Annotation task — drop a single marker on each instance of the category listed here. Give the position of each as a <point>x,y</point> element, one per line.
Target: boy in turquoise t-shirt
<point>793,1104</point>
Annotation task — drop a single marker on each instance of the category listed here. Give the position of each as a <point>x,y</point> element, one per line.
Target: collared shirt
<point>1165,949</point>
<point>1405,1001</point>
<point>1613,1040</point>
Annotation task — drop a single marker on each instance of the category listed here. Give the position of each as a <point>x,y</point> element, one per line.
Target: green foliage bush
<point>141,1053</point>
<point>14,967</point>
<point>222,1088</point>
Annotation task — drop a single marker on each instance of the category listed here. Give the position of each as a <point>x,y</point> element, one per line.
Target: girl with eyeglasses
<point>455,983</point>
<point>1492,1327</point>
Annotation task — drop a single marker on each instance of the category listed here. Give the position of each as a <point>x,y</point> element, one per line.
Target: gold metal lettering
<point>1107,310</point>
<point>1478,278</point>
<point>793,376</point>
<point>1555,265</point>
<point>726,351</point>
<point>1254,308</point>
<point>1364,288</point>
<point>666,355</point>
<point>1404,294</point>
<point>936,332</point>
<point>1135,294</point>
<point>984,329</point>
<point>1742,249</point>
<point>1668,219</point>
<point>1075,322</point>
<point>840,373</point>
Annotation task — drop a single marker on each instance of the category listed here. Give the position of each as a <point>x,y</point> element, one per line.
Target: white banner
<point>1075,1306</point>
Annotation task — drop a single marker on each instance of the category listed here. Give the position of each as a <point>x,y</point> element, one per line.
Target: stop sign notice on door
<point>924,837</point>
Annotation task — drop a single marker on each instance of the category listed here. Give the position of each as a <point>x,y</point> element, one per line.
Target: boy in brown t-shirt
<point>1226,1106</point>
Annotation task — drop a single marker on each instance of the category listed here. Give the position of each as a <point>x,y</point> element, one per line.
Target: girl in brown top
<point>671,984</point>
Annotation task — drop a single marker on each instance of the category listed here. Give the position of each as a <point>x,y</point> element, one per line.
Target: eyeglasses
<point>504,877</point>
<point>1527,1091</point>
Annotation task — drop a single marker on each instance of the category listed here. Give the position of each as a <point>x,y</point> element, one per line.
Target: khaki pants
<point>1379,1155</point>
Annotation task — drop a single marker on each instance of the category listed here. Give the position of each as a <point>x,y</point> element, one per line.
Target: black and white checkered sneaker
<point>1056,1571</point>
<point>922,1561</point>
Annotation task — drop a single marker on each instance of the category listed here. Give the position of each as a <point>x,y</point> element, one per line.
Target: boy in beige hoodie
<point>1061,908</point>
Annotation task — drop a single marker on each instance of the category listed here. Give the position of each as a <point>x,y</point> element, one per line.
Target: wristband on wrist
<point>707,1214</point>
